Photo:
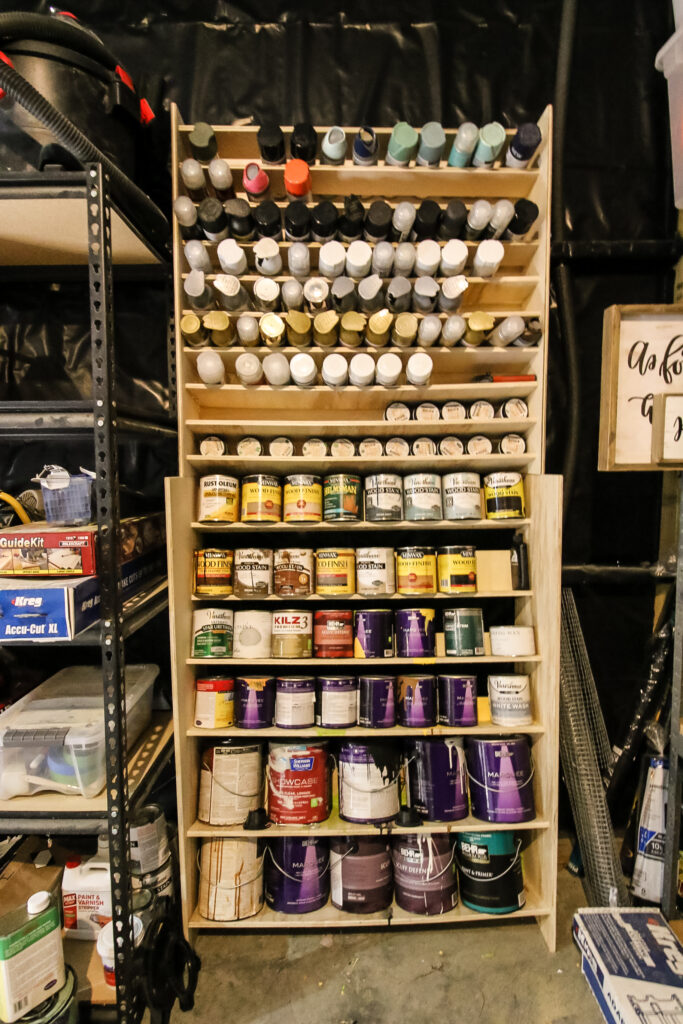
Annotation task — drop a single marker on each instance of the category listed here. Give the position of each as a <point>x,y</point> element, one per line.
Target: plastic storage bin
<point>53,739</point>
<point>67,498</point>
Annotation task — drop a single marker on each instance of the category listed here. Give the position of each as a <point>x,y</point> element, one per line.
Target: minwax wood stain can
<point>303,499</point>
<point>213,568</point>
<point>261,499</point>
<point>335,571</point>
<point>457,570</point>
<point>416,570</point>
<point>504,496</point>
<point>293,572</point>
<point>218,499</point>
<point>342,497</point>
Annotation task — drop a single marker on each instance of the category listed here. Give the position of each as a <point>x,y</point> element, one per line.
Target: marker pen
<point>268,220</point>
<point>351,328</point>
<point>425,295</point>
<point>197,256</point>
<point>377,221</point>
<point>478,326</point>
<point>202,142</point>
<point>343,294</point>
<point>335,369</point>
<point>331,259</point>
<point>365,147</point>
<point>231,295</point>
<point>276,369</point>
<point>522,147</point>
<point>383,259</point>
<point>298,180</point>
<point>255,182</point>
<point>303,145</point>
<point>489,144</point>
<point>452,291</point>
<point>324,221</point>
<point>316,292</point>
<point>193,179</point>
<point>358,259</point>
<point>247,331</point>
<point>428,331</point>
<point>463,145</point>
<point>432,143</point>
<point>220,177</point>
<point>453,258</point>
<point>501,215</point>
<point>507,331</point>
<point>193,331</point>
<point>399,294</point>
<point>477,219</point>
<point>370,294</point>
<point>210,368</point>
<point>350,226</point>
<point>186,214</point>
<point>333,146</point>
<point>232,257</point>
<point>487,258</point>
<point>240,220</point>
<point>297,222</point>
<point>404,259</point>
<point>453,330</point>
<point>221,328</point>
<point>427,258</point>
<point>402,145</point>
<point>267,257</point>
<point>212,219</point>
<point>452,220</point>
<point>526,213</point>
<point>298,328</point>
<point>402,222</point>
<point>404,331</point>
<point>198,294</point>
<point>271,143</point>
<point>377,331</point>
<point>266,295</point>
<point>299,261</point>
<point>426,222</point>
<point>272,328</point>
<point>326,328</point>
<point>292,294</point>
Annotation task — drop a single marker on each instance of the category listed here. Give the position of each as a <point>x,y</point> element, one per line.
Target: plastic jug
<point>86,897</point>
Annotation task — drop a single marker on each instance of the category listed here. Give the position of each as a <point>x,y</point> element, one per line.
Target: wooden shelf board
<point>463,358</point>
<point>411,463</point>
<point>276,599</point>
<point>416,663</point>
<point>85,960</point>
<point>438,525</point>
<point>462,914</point>
<point>397,732</point>
<point>302,429</point>
<point>261,395</point>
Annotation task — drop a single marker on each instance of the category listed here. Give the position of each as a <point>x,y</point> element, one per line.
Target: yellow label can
<point>504,496</point>
<point>261,499</point>
<point>213,572</point>
<point>416,570</point>
<point>335,571</point>
<point>457,570</point>
<point>303,499</point>
<point>218,499</point>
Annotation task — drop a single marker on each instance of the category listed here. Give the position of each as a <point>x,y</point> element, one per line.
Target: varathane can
<point>252,634</point>
<point>461,496</point>
<point>293,571</point>
<point>464,632</point>
<point>333,633</point>
<point>213,572</point>
<point>416,700</point>
<point>292,633</point>
<point>303,499</point>
<point>212,633</point>
<point>377,702</point>
<point>415,633</point>
<point>337,702</point>
<point>510,700</point>
<point>335,571</point>
<point>504,496</point>
<point>253,572</point>
<point>375,571</point>
<point>416,570</point>
<point>261,499</point>
<point>384,498</point>
<point>295,702</point>
<point>457,570</point>
<point>214,706</point>
<point>255,702</point>
<point>457,700</point>
<point>342,497</point>
<point>374,633</point>
<point>218,499</point>
<point>422,497</point>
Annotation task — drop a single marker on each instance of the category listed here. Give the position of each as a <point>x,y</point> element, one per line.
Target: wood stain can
<point>361,876</point>
<point>253,572</point>
<point>213,572</point>
<point>292,633</point>
<point>342,497</point>
<point>383,498</point>
<point>461,496</point>
<point>212,630</point>
<point>230,878</point>
<point>261,499</point>
<point>416,570</point>
<point>230,782</point>
<point>293,572</point>
<point>218,499</point>
<point>335,571</point>
<point>504,496</point>
<point>299,783</point>
<point>333,633</point>
<point>214,706</point>
<point>457,570</point>
<point>375,571</point>
<point>422,497</point>
<point>303,499</point>
<point>510,700</point>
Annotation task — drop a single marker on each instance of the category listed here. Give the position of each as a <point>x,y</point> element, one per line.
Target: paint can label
<point>360,874</point>
<point>490,872</point>
<point>214,703</point>
<point>464,632</point>
<point>218,499</point>
<point>261,499</point>
<point>159,883</point>
<point>335,571</point>
<point>342,497</point>
<point>298,784</point>
<point>292,634</point>
<point>338,703</point>
<point>255,702</point>
<point>515,641</point>
<point>212,633</point>
<point>416,571</point>
<point>295,702</point>
<point>252,636</point>
<point>422,497</point>
<point>462,496</point>
<point>303,499</point>
<point>374,633</point>
<point>293,572</point>
<point>457,570</point>
<point>375,573</point>
<point>230,784</point>
<point>253,572</point>
<point>384,498</point>
<point>213,572</point>
<point>504,496</point>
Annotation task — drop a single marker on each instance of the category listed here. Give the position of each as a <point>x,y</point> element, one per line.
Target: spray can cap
<point>402,144</point>
<point>324,219</point>
<point>271,143</point>
<point>267,219</point>
<point>303,144</point>
<point>202,141</point>
<point>333,145</point>
<point>453,219</point>
<point>365,146</point>
<point>432,142</point>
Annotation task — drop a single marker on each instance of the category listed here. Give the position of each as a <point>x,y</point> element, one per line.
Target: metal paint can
<point>335,571</point>
<point>337,702</point>
<point>374,633</point>
<point>416,700</point>
<point>490,871</point>
<point>424,873</point>
<point>149,848</point>
<point>333,633</point>
<point>214,706</point>
<point>510,700</point>
<point>303,499</point>
<point>368,782</point>
<point>504,496</point>
<point>457,570</point>
<point>375,571</point>
<point>501,775</point>
<point>295,702</point>
<point>299,783</point>
<point>230,878</point>
<point>416,570</point>
<point>422,497</point>
<point>297,874</point>
<point>218,499</point>
<point>230,782</point>
<point>292,633</point>
<point>361,876</point>
<point>212,633</point>
<point>377,702</point>
<point>342,497</point>
<point>462,496</point>
<point>384,498</point>
<point>293,572</point>
<point>464,632</point>
<point>437,778</point>
<point>457,700</point>
<point>252,636</point>
<point>261,499</point>
<point>159,882</point>
<point>255,702</point>
<point>253,572</point>
<point>415,633</point>
<point>512,641</point>
<point>213,572</point>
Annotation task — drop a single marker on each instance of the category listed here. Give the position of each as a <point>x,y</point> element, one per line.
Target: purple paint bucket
<point>368,782</point>
<point>255,702</point>
<point>457,700</point>
<point>337,702</point>
<point>376,702</point>
<point>361,876</point>
<point>424,873</point>
<point>373,632</point>
<point>297,874</point>
<point>438,778</point>
<point>416,700</point>
<point>501,776</point>
<point>415,633</point>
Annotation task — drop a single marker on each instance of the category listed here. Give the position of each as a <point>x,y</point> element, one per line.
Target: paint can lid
<point>267,219</point>
<point>526,213</point>
<point>331,259</point>
<point>212,215</point>
<point>365,145</point>
<point>333,145</point>
<point>297,177</point>
<point>362,370</point>
<point>453,219</point>
<point>202,141</point>
<point>526,141</point>
<point>297,219</point>
<point>255,181</point>
<point>432,142</point>
<point>324,219</point>
<point>403,143</point>
<point>271,142</point>
<point>303,144</point>
<point>378,220</point>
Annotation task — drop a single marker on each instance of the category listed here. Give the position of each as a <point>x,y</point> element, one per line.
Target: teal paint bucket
<point>490,869</point>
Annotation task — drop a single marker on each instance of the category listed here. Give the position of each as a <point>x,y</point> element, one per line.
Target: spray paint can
<point>416,700</point>
<point>374,633</point>
<point>361,875</point>
<point>377,702</point>
<point>490,871</point>
<point>501,776</point>
<point>457,700</point>
<point>298,783</point>
<point>648,871</point>
<point>424,873</point>
<point>230,782</point>
<point>375,571</point>
<point>464,632</point>
<point>438,778</point>
<point>296,874</point>
<point>337,702</point>
<point>415,633</point>
<point>255,702</point>
<point>368,782</point>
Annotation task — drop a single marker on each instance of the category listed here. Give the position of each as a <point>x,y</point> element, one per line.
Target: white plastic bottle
<point>86,897</point>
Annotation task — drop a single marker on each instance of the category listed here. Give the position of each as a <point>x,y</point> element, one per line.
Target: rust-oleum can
<point>213,572</point>
<point>261,499</point>
<point>457,570</point>
<point>416,570</point>
<point>342,497</point>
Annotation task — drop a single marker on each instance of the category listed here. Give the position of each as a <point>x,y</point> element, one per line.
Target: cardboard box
<point>633,963</point>
<point>20,877</point>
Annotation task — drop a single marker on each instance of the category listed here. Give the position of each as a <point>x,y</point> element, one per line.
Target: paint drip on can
<point>253,634</point>
<point>212,630</point>
<point>293,572</point>
<point>295,702</point>
<point>648,872</point>
<point>457,700</point>
<point>342,497</point>
<point>501,777</point>
<point>333,633</point>
<point>297,874</point>
<point>464,632</point>
<point>377,702</point>
<point>424,873</point>
<point>298,783</point>
<point>416,570</point>
<point>230,878</point>
<point>337,702</point>
<point>461,496</point>
<point>504,496</point>
<point>415,633</point>
<point>490,871</point>
<point>457,570</point>
<point>438,778</point>
<point>384,498</point>
<point>374,633</point>
<point>292,635</point>
<point>368,782</point>
<point>361,876</point>
<point>375,571</point>
<point>230,782</point>
<point>255,702</point>
<point>416,700</point>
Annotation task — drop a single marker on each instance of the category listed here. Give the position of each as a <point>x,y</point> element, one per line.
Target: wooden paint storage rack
<point>233,411</point>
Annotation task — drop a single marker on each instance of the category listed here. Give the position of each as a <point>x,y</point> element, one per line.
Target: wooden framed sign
<point>642,356</point>
<point>667,431</point>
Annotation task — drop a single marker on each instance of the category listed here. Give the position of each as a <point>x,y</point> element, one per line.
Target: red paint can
<point>333,634</point>
<point>299,783</point>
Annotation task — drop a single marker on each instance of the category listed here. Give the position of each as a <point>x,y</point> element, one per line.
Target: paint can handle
<point>292,878</point>
<point>510,866</point>
<point>223,885</point>
<point>499,789</point>
<point>232,792</point>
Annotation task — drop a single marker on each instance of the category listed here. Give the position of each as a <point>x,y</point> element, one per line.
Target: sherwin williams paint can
<point>295,702</point>
<point>416,570</point>
<point>252,636</point>
<point>298,783</point>
<point>501,776</point>
<point>415,633</point>
<point>464,632</point>
<point>462,496</point>
<point>213,572</point>
<point>337,702</point>
<point>510,700</point>
<point>512,641</point>
<point>335,571</point>
<point>438,778</point>
<point>374,633</point>
<point>261,499</point>
<point>255,702</point>
<point>253,572</point>
<point>212,633</point>
<point>230,782</point>
<point>292,633</point>
<point>342,497</point>
<point>422,497</point>
<point>377,702</point>
<point>218,499</point>
<point>375,571</point>
<point>490,871</point>
<point>457,700</point>
<point>230,878</point>
<point>457,570</point>
<point>416,700</point>
<point>303,499</point>
<point>384,498</point>
<point>297,874</point>
<point>361,876</point>
<point>424,873</point>
<point>504,496</point>
<point>214,706</point>
<point>333,633</point>
<point>368,782</point>
<point>293,572</point>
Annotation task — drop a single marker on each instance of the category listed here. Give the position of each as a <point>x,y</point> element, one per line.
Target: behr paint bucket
<point>297,874</point>
<point>490,871</point>
<point>298,783</point>
<point>230,878</point>
<point>438,778</point>
<point>457,700</point>
<point>374,633</point>
<point>416,703</point>
<point>368,782</point>
<point>501,776</point>
<point>424,873</point>
<point>415,633</point>
<point>361,876</point>
<point>230,782</point>
<point>255,702</point>
<point>377,702</point>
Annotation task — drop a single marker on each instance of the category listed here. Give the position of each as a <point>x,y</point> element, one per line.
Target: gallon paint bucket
<point>368,782</point>
<point>361,876</point>
<point>424,873</point>
<point>416,700</point>
<point>252,638</point>
<point>375,571</point>
<point>295,702</point>
<point>230,782</point>
<point>255,702</point>
<point>230,878</point>
<point>292,635</point>
<point>457,700</point>
<point>297,874</point>
<point>298,783</point>
<point>377,702</point>
<point>490,871</point>
<point>501,775</point>
<point>337,702</point>
<point>415,633</point>
<point>438,778</point>
<point>374,633</point>
<point>333,633</point>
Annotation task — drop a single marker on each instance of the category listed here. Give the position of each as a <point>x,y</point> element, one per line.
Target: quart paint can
<point>212,633</point>
<point>462,496</point>
<point>437,778</point>
<point>415,633</point>
<point>490,871</point>
<point>422,497</point>
<point>303,499</point>
<point>255,702</point>
<point>214,706</point>
<point>457,570</point>
<point>368,782</point>
<point>294,574</point>
<point>292,635</point>
<point>230,782</point>
<point>297,874</point>
<point>295,702</point>
<point>464,632</point>
<point>457,700</point>
<point>424,873</point>
<point>510,700</point>
<point>337,702</point>
<point>512,641</point>
<point>149,848</point>
<point>218,499</point>
<point>160,882</point>
<point>253,634</point>
<point>230,878</point>
<point>299,785</point>
<point>501,776</point>
<point>377,702</point>
<point>253,572</point>
<point>335,571</point>
<point>416,571</point>
<point>333,633</point>
<point>416,704</point>
<point>342,497</point>
<point>361,875</point>
<point>384,498</point>
<point>213,569</point>
<point>504,496</point>
<point>374,633</point>
<point>375,571</point>
<point>261,499</point>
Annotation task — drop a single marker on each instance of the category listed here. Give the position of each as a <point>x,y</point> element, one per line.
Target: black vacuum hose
<point>16,25</point>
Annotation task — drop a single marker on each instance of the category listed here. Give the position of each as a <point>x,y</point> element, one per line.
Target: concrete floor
<point>478,973</point>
